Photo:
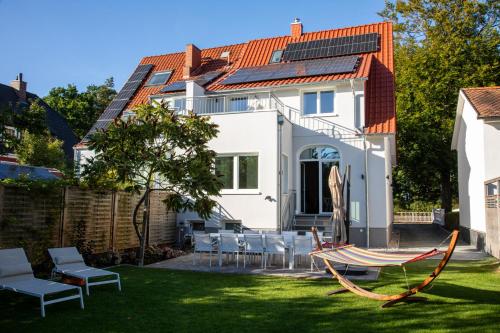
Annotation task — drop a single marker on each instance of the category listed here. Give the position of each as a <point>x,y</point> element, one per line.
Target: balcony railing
<point>228,103</point>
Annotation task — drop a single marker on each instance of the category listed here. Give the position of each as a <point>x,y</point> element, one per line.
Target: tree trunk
<point>446,201</point>
<point>145,222</point>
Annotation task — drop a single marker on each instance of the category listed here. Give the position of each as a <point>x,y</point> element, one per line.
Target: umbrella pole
<point>347,202</point>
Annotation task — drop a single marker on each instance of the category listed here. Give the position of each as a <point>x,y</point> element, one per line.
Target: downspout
<point>278,197</point>
<point>367,204</point>
<point>351,81</point>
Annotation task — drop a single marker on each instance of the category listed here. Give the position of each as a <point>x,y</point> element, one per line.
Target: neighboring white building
<point>476,138</point>
<point>288,108</point>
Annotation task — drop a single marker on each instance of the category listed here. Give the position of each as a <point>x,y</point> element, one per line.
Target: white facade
<point>476,141</point>
<point>272,125</point>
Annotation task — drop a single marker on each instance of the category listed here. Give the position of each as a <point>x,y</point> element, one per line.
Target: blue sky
<point>54,43</point>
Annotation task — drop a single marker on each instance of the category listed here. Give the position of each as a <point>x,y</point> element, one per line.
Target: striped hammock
<point>351,255</point>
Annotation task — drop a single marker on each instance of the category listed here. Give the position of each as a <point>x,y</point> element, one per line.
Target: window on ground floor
<point>238,171</point>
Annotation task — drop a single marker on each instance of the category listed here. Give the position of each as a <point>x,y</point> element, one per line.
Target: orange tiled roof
<point>377,67</point>
<point>485,100</point>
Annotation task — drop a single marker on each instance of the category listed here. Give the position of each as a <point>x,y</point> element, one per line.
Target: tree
<point>41,150</point>
<point>81,109</point>
<point>157,149</point>
<point>14,119</point>
<point>440,47</point>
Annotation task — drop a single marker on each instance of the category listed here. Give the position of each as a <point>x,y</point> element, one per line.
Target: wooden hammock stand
<point>390,299</point>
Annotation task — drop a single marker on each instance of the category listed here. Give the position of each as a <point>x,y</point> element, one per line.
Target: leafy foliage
<point>157,149</point>
<point>41,150</point>
<point>30,117</point>
<point>81,109</point>
<point>440,47</point>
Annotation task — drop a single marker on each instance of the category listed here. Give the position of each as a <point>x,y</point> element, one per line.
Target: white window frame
<point>236,174</point>
<point>318,102</point>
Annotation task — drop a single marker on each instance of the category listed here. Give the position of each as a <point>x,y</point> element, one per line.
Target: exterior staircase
<point>304,222</point>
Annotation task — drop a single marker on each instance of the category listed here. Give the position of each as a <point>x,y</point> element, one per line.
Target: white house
<point>476,138</point>
<point>288,108</point>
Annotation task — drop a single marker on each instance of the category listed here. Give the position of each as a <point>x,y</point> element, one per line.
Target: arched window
<point>315,165</point>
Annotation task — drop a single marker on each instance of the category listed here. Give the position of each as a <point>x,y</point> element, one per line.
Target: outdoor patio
<point>185,263</point>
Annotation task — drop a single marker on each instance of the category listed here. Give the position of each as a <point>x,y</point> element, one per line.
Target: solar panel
<point>338,65</point>
<point>331,47</point>
<point>175,86</point>
<point>121,99</point>
<point>202,80</point>
<point>208,77</point>
<point>99,124</point>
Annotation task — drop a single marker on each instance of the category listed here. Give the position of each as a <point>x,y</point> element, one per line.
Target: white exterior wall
<point>257,132</point>
<point>471,162</point>
<point>81,157</point>
<point>248,132</point>
<point>491,132</point>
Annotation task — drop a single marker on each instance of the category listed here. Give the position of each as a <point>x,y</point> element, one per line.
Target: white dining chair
<point>202,243</point>
<point>302,246</point>
<point>274,244</point>
<point>320,235</point>
<point>254,244</point>
<point>229,244</point>
<point>288,237</point>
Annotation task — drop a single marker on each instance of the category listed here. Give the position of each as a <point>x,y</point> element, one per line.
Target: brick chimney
<point>20,87</point>
<point>296,28</point>
<point>193,60</point>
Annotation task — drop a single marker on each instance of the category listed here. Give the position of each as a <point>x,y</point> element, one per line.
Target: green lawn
<point>466,297</point>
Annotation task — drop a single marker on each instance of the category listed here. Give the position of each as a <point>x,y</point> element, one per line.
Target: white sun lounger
<point>16,275</point>
<point>69,261</point>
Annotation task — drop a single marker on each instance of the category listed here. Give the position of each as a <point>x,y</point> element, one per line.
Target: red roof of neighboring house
<point>485,100</point>
<point>377,67</point>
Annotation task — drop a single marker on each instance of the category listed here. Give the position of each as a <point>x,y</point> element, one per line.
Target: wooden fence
<point>71,216</point>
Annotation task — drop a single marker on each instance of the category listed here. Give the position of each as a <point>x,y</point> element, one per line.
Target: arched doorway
<point>315,164</point>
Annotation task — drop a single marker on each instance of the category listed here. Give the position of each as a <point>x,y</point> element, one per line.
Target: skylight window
<point>159,78</point>
<point>276,56</point>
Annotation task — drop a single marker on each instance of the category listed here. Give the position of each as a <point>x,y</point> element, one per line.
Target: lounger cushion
<point>16,269</point>
<point>62,260</point>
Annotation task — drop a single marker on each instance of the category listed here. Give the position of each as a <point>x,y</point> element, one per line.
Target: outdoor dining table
<point>287,238</point>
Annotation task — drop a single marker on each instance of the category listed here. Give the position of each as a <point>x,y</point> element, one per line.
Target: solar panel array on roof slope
<point>345,64</point>
<point>121,99</point>
<point>331,47</point>
<point>202,80</point>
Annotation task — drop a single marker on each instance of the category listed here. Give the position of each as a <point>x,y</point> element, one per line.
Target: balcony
<point>233,103</point>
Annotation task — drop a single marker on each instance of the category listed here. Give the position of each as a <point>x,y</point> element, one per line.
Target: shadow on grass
<point>174,301</point>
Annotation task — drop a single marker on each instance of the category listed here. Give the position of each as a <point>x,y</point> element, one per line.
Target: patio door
<point>315,166</point>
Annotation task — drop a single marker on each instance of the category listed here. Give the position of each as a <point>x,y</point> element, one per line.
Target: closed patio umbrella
<point>339,235</point>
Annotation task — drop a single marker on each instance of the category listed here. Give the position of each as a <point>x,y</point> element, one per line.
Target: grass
<point>466,297</point>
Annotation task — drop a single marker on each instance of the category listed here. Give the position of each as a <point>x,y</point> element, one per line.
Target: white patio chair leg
<point>119,282</point>
<point>81,295</point>
<point>210,260</point>
<point>42,307</point>
<point>283,260</point>
<point>87,286</point>
<point>311,264</point>
<point>194,258</point>
<point>237,259</point>
<point>245,259</point>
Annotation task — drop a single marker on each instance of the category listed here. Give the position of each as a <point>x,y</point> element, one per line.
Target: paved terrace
<point>410,238</point>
